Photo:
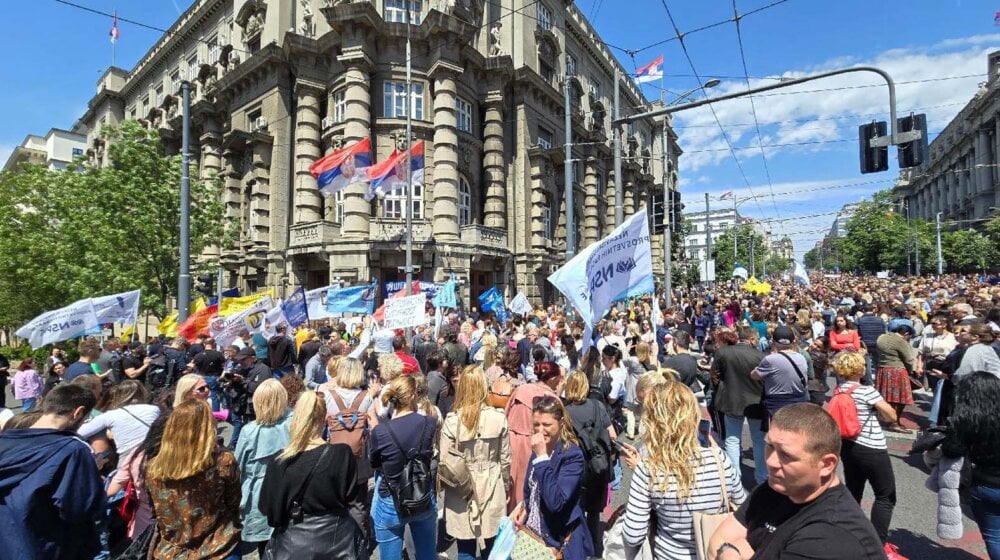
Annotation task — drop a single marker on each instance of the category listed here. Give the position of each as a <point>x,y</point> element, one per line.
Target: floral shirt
<point>198,517</point>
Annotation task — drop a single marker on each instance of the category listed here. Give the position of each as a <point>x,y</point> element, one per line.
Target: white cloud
<point>801,114</point>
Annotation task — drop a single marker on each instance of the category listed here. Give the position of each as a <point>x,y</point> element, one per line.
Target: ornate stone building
<point>962,175</point>
<point>278,83</point>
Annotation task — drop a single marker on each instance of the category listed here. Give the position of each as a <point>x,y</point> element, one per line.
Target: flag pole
<point>409,163</point>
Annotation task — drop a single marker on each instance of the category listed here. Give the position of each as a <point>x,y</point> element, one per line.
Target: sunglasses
<point>202,389</point>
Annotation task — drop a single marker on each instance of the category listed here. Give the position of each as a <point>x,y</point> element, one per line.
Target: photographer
<point>239,385</point>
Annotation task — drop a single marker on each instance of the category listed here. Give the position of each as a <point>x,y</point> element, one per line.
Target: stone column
<point>211,149</point>
<point>358,127</point>
<point>591,232</point>
<point>610,195</point>
<point>445,153</point>
<point>538,200</point>
<point>260,202</point>
<point>308,200</point>
<point>495,214</point>
<point>985,156</point>
<point>231,194</point>
<point>629,197</point>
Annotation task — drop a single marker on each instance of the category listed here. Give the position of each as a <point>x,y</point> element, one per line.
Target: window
<point>77,152</point>
<point>213,50</point>
<point>570,64</point>
<point>544,16</point>
<point>192,67</point>
<point>599,186</point>
<point>145,107</point>
<point>252,117</point>
<point>394,203</point>
<point>175,81</point>
<point>158,96</point>
<point>464,202</point>
<point>340,106</point>
<point>338,202</point>
<point>463,111</point>
<point>131,112</point>
<point>394,100</point>
<point>595,88</point>
<point>544,138</point>
<point>546,71</point>
<point>395,10</point>
<point>546,219</point>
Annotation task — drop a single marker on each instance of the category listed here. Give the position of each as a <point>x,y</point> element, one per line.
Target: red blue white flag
<point>650,72</point>
<point>726,195</point>
<point>346,166</point>
<point>996,18</point>
<point>390,175</point>
<point>114,33</point>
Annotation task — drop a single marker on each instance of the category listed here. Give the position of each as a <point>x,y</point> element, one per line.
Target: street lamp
<point>667,209</point>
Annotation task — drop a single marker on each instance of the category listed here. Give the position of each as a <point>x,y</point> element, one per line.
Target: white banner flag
<point>118,308</point>
<point>402,312</point>
<point>274,317</point>
<point>801,276</point>
<point>225,329</point>
<point>616,267</point>
<point>520,305</point>
<point>65,323</point>
<point>316,303</point>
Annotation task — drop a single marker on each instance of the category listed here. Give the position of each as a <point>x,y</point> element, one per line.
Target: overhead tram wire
<point>753,108</point>
<point>687,55</point>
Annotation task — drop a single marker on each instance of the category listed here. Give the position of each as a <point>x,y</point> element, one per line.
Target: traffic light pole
<point>184,277</point>
<point>668,257</point>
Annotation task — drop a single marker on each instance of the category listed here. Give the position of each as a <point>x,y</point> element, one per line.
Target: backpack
<point>845,412</point>
<point>415,491</point>
<point>500,392</point>
<point>163,369</point>
<point>349,425</point>
<point>117,371</point>
<point>596,448</point>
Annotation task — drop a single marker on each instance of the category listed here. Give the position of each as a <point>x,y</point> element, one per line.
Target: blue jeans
<point>734,438</point>
<point>389,529</point>
<point>986,510</point>
<point>467,549</point>
<point>278,373</point>
<point>236,420</point>
<point>27,405</point>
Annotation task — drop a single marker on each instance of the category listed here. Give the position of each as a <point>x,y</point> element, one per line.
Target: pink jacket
<point>28,384</point>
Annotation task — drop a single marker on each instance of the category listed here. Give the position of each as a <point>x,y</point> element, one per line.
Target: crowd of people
<point>325,441</point>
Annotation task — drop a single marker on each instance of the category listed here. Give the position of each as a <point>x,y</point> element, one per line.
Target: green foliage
<point>90,231</point>
<point>967,251</point>
<point>877,236</point>
<point>776,264</point>
<point>722,251</point>
<point>811,259</point>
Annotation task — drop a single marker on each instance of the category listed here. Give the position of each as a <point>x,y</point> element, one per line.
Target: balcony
<point>391,230</point>
<point>313,234</point>
<point>486,237</point>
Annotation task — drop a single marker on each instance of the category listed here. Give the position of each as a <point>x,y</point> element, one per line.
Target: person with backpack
<point>863,451</point>
<point>474,469</point>
<point>404,482</point>
<point>783,372</point>
<point>349,409</point>
<point>592,426</point>
<point>310,494</point>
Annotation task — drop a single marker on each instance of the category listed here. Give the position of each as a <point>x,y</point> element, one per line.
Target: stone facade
<point>961,177</point>
<point>279,83</point>
<point>55,150</point>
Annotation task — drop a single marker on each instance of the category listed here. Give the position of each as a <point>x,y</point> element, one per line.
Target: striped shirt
<point>674,518</point>
<point>865,398</point>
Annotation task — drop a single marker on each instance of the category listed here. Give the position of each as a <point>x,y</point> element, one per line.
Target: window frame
<point>464,202</point>
<point>394,11</point>
<point>339,105</point>
<point>543,16</point>
<point>464,120</point>
<point>394,203</point>
<point>394,99</point>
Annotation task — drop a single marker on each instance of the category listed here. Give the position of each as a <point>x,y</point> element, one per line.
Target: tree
<point>722,251</point>
<point>811,259</point>
<point>776,264</point>
<point>877,236</point>
<point>967,250</point>
<point>88,231</point>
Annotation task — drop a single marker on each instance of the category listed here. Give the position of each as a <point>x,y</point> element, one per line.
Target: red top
<point>846,340</point>
<point>410,364</point>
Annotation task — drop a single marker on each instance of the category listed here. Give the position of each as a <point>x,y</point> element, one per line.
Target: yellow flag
<point>168,326</point>
<point>228,306</point>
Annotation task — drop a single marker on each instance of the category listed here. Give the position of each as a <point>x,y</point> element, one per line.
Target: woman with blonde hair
<point>191,386</point>
<point>474,467</point>
<point>263,438</point>
<point>677,475</point>
<point>591,423</point>
<point>194,487</point>
<point>348,408</point>
<point>388,457</point>
<point>310,492</point>
<point>554,482</point>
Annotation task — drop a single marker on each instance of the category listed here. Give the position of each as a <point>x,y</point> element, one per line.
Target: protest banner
<point>405,312</point>
<point>118,308</point>
<point>226,329</point>
<point>229,306</point>
<point>60,324</point>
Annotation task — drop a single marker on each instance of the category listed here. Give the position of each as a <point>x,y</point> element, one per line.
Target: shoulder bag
<point>706,523</point>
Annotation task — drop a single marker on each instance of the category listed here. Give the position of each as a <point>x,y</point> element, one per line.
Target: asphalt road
<point>915,517</point>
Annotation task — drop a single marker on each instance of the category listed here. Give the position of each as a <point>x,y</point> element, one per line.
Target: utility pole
<point>708,238</point>
<point>909,236</point>
<point>409,163</point>
<point>937,219</point>
<point>668,257</point>
<point>916,249</point>
<point>184,278</point>
<point>736,230</point>
<point>569,163</point>
<point>619,193</point>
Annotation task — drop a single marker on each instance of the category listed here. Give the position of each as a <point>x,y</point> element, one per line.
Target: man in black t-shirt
<point>803,511</point>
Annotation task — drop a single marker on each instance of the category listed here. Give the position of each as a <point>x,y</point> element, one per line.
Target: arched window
<point>464,202</point>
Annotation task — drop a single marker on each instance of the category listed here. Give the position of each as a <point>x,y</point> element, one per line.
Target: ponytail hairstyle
<point>308,420</point>
<point>401,394</point>
<point>552,405</point>
<point>423,401</point>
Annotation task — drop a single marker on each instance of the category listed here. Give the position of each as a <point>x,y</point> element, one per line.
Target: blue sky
<point>936,49</point>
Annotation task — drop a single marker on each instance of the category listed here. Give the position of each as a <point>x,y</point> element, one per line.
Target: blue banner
<point>231,292</point>
<point>430,289</point>
<point>357,299</point>
<point>295,309</point>
<point>492,301</point>
<point>446,295</point>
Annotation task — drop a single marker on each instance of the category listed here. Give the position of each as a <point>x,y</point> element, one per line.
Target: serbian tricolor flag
<point>390,175</point>
<point>650,72</point>
<point>347,165</point>
<point>114,29</point>
<point>726,195</point>
<point>996,18</point>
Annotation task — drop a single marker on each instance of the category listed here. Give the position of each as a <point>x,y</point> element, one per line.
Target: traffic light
<point>675,211</point>
<point>873,160</point>
<point>657,225</point>
<point>206,285</point>
<point>914,153</point>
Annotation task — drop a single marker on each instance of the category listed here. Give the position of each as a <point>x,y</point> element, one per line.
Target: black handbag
<point>929,439</point>
<point>141,544</point>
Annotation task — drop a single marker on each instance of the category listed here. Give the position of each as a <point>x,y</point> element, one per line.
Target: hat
<point>246,352</point>
<point>783,335</point>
